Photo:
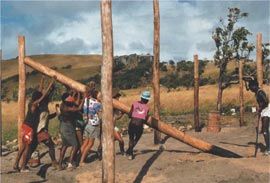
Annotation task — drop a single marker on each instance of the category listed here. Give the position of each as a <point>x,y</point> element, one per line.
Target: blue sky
<point>69,27</point>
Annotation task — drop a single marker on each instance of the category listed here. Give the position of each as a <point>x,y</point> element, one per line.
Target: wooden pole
<point>1,98</point>
<point>156,86</point>
<point>108,155</point>
<point>152,122</point>
<point>259,60</point>
<point>22,83</point>
<point>196,94</point>
<point>52,73</point>
<point>241,93</point>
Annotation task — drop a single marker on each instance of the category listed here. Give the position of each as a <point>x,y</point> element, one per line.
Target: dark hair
<point>64,96</point>
<point>144,100</point>
<point>36,95</point>
<point>94,93</point>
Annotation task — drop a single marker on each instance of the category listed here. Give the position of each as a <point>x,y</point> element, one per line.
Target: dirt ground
<point>172,162</point>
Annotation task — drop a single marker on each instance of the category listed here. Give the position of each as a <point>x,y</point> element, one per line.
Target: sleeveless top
<point>140,111</point>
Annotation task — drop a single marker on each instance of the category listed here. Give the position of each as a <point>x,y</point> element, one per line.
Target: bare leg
<point>87,149</point>
<point>62,155</point>
<point>18,157</point>
<point>49,143</point>
<point>24,156</point>
<point>117,136</point>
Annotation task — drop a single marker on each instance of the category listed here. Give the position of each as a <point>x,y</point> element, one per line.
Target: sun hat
<point>146,95</point>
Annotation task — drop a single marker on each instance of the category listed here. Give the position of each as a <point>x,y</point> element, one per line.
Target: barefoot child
<point>92,113</point>
<point>29,127</point>
<point>139,115</point>
<point>264,110</point>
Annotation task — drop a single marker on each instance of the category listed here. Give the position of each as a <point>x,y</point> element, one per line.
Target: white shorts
<point>266,112</point>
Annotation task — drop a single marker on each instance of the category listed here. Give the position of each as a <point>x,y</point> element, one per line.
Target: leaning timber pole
<point>156,86</point>
<point>196,94</point>
<point>241,93</point>
<point>152,122</point>
<point>108,155</point>
<point>259,60</point>
<point>22,83</point>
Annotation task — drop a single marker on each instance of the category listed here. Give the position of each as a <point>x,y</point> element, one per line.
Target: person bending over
<point>264,110</point>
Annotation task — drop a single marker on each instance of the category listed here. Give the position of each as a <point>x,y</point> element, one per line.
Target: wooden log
<point>156,124</point>
<point>196,94</point>
<point>52,73</point>
<point>241,93</point>
<point>108,155</point>
<point>22,86</point>
<point>156,86</point>
<point>259,59</point>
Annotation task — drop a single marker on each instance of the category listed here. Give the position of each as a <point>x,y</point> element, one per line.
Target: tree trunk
<point>108,155</point>
<point>22,83</point>
<point>219,98</point>
<point>196,94</point>
<point>156,49</point>
<point>241,93</point>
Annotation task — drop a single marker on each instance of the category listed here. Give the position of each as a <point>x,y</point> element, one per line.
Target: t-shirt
<point>140,110</point>
<point>91,107</point>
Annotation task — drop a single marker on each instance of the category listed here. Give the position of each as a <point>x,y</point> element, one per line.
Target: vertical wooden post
<point>1,97</point>
<point>259,59</point>
<point>108,155</point>
<point>22,80</point>
<point>196,94</point>
<point>241,93</point>
<point>156,87</point>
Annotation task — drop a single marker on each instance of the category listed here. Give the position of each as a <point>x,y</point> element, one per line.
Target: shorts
<point>43,136</point>
<point>266,111</point>
<point>91,131</point>
<point>27,134</point>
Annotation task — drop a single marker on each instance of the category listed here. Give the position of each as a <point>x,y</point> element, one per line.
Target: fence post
<point>108,155</point>
<point>259,60</point>
<point>156,86</point>
<point>196,94</point>
<point>22,83</point>
<point>241,93</point>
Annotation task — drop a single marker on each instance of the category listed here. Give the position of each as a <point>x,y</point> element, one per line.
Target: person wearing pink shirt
<point>139,115</point>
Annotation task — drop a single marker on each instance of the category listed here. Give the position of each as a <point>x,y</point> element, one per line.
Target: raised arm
<point>41,84</point>
<point>45,93</point>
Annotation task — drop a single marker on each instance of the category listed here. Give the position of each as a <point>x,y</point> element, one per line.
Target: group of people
<point>80,125</point>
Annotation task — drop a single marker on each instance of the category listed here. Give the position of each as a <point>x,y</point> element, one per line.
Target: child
<point>29,128</point>
<point>67,128</point>
<point>264,110</point>
<point>139,115</point>
<point>92,111</point>
<point>117,114</point>
<point>43,135</point>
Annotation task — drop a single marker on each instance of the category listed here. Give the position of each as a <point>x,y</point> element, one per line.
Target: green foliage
<point>15,93</point>
<point>4,91</point>
<point>170,81</point>
<point>266,61</point>
<point>231,43</point>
